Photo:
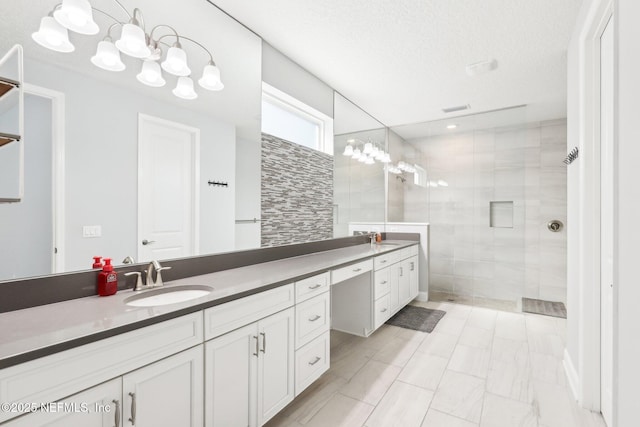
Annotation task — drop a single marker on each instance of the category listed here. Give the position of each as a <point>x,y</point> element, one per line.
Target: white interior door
<point>606,220</point>
<point>168,191</point>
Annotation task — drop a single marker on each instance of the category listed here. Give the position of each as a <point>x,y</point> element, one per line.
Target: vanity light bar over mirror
<point>134,41</point>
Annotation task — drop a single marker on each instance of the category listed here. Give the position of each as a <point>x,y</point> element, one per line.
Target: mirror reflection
<point>93,136</point>
<point>360,156</point>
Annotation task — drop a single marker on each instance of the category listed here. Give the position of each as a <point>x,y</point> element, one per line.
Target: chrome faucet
<point>154,267</point>
<point>157,281</point>
<point>372,236</point>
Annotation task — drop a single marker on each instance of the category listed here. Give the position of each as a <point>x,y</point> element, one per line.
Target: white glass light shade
<point>210,79</point>
<point>107,57</point>
<point>176,62</point>
<point>348,150</point>
<point>151,75</point>
<point>387,158</point>
<point>133,42</point>
<point>77,16</point>
<point>380,155</point>
<point>184,89</point>
<point>356,154</point>
<point>368,147</point>
<point>53,36</point>
<point>374,152</point>
<point>363,158</point>
<point>369,161</point>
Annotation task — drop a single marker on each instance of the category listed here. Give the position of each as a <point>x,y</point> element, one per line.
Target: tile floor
<point>479,367</point>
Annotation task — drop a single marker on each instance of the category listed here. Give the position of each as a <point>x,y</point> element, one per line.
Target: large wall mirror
<point>86,130</point>
<point>359,170</point>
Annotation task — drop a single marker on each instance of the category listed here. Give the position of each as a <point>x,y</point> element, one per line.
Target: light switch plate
<point>91,231</point>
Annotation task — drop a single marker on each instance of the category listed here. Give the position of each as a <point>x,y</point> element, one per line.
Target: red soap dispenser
<point>96,262</point>
<point>107,279</point>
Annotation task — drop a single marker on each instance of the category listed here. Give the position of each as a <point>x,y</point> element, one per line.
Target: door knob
<point>148,242</point>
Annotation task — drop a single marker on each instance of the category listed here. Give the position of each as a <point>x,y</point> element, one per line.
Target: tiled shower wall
<point>469,258</point>
<point>296,193</point>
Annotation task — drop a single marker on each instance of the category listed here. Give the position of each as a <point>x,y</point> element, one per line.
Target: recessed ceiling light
<point>452,126</point>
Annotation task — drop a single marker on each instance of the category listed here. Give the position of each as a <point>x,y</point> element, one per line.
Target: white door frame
<point>57,170</point>
<point>196,180</point>
<point>588,385</point>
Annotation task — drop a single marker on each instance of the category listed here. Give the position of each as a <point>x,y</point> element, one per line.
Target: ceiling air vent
<point>458,108</point>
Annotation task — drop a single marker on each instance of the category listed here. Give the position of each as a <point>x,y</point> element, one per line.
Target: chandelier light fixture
<point>158,49</point>
<point>368,154</point>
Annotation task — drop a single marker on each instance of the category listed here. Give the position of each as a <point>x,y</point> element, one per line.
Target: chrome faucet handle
<point>159,281</point>
<point>138,286</point>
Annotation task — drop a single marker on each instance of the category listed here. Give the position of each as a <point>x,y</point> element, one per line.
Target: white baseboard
<point>572,375</point>
<point>423,296</point>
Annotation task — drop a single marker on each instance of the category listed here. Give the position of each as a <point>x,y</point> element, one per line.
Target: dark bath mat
<point>417,318</point>
<point>547,308</point>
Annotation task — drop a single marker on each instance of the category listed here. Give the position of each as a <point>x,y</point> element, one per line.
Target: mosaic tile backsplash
<point>297,193</point>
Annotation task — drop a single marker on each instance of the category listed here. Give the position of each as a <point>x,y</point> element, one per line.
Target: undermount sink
<point>165,296</point>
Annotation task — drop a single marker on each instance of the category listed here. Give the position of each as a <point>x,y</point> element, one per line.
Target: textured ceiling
<point>404,60</point>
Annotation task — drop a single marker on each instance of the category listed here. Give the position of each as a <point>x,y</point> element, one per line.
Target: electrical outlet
<point>92,231</point>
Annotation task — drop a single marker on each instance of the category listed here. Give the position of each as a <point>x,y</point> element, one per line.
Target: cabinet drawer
<point>312,318</point>
<point>381,311</point>
<point>312,360</point>
<point>381,282</point>
<point>312,286</point>
<point>226,317</point>
<point>386,260</point>
<point>404,253</point>
<point>350,271</point>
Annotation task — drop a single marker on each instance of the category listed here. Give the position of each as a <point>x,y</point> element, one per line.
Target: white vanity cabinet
<point>165,393</point>
<point>395,282</point>
<point>249,371</point>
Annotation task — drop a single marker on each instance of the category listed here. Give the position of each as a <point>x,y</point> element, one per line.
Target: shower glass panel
<point>500,160</point>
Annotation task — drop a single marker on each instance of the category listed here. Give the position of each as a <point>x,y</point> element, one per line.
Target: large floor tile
<point>404,405</point>
<point>460,395</point>
<point>438,344</point>
<point>476,337</point>
<point>371,382</point>
<point>556,407</point>
<point>398,351</point>
<point>341,411</point>
<point>547,368</point>
<point>546,343</point>
<point>502,412</point>
<point>511,326</point>
<point>450,325</point>
<point>424,370</point>
<point>511,380</point>
<point>348,362</point>
<point>381,337</point>
<point>470,360</point>
<point>482,318</point>
<point>310,401</point>
<point>440,419</point>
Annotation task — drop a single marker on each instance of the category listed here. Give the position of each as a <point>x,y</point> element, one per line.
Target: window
<point>287,118</point>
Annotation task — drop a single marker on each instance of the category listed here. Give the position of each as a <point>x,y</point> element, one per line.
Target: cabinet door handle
<point>384,261</point>
<point>384,282</point>
<point>316,286</point>
<point>357,269</point>
<point>133,409</point>
<point>412,266</point>
<point>314,318</point>
<point>400,271</point>
<point>316,360</point>
<point>383,310</point>
<point>264,342</point>
<point>117,414</point>
<point>256,338</point>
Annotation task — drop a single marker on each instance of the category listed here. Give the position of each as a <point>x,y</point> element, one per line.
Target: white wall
<point>284,74</point>
<point>101,165</point>
<point>627,234</point>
